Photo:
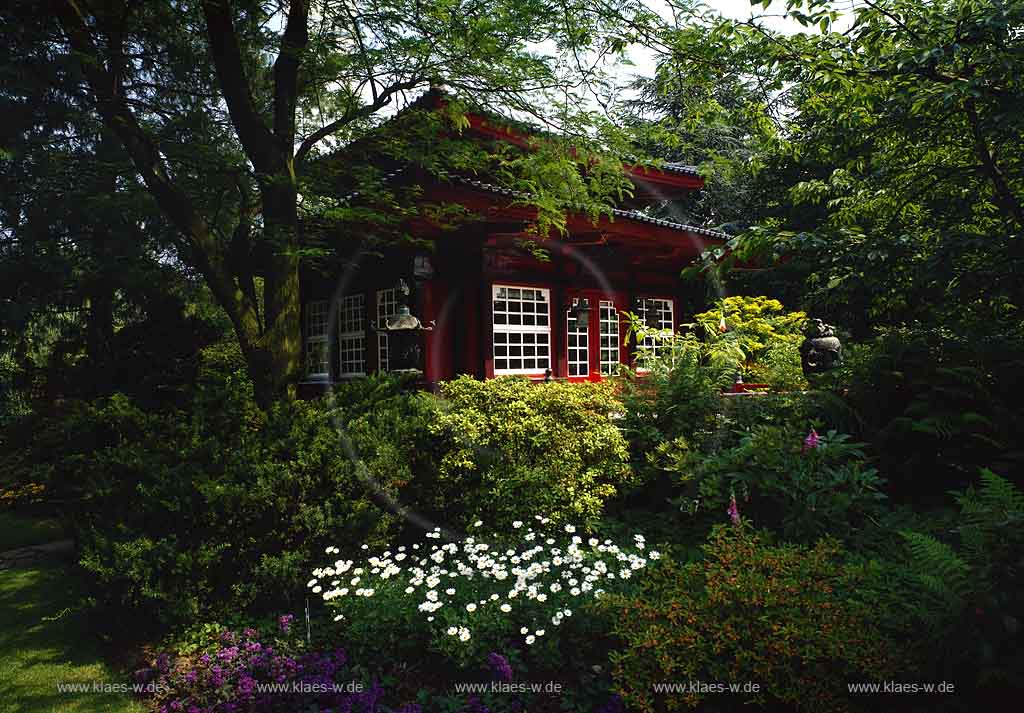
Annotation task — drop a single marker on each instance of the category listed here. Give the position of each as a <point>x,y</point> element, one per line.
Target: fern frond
<point>938,568</point>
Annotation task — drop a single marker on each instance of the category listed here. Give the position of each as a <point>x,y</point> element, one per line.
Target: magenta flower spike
<point>811,441</point>
<point>734,512</point>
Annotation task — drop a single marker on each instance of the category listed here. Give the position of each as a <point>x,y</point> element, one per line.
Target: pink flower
<point>734,512</point>
<point>811,441</point>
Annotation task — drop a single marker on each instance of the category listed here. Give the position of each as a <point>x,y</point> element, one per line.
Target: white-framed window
<point>352,335</point>
<point>661,311</point>
<point>387,308</point>
<point>522,329</point>
<point>318,362</point>
<point>577,344</point>
<point>609,338</point>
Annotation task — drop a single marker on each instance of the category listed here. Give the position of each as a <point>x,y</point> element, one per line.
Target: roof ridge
<point>629,214</point>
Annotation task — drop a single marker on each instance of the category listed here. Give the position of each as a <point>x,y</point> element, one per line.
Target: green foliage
<point>956,594</point>
<point>509,442</point>
<point>898,169</point>
<point>527,593</point>
<point>192,514</point>
<point>181,515</point>
<point>781,616</point>
<point>761,333</point>
<point>676,411</point>
<point>677,400</point>
<point>779,483</point>
<point>937,402</point>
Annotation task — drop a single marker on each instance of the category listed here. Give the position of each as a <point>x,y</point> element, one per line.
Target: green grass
<point>36,654</point>
<point>21,531</point>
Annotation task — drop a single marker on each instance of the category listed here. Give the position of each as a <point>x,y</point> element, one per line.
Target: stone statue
<point>821,349</point>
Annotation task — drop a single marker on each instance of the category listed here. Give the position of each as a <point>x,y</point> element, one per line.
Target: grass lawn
<point>36,655</point>
<point>22,531</point>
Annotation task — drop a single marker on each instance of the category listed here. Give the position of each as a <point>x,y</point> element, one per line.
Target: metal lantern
<point>821,349</point>
<point>580,310</point>
<point>405,336</point>
<point>648,308</point>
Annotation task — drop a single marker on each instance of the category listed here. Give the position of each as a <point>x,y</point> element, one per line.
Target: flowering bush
<point>804,487</point>
<point>783,617</point>
<point>241,673</point>
<point>464,599</point>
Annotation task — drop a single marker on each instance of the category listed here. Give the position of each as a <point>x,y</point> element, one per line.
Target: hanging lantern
<point>405,336</point>
<point>580,310</point>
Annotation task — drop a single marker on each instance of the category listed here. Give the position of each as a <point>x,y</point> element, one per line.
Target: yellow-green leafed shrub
<point>758,328</point>
<point>514,449</point>
<point>783,618</point>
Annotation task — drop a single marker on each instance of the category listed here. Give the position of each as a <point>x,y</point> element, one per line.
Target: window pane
<point>520,320</point>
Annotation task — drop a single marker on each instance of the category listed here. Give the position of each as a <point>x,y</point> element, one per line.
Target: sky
<point>774,18</point>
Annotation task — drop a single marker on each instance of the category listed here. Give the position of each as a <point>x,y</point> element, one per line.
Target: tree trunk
<point>273,348</point>
<point>277,364</point>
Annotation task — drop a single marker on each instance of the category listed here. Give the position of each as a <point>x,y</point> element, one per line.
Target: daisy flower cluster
<point>527,585</point>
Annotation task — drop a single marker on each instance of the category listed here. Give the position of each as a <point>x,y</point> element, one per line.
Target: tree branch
<point>256,138</point>
<point>147,160</point>
<point>383,99</point>
<point>286,72</point>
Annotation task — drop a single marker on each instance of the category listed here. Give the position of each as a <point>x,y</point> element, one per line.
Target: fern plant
<point>958,593</point>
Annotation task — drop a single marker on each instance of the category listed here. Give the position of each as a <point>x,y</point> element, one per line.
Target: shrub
<point>465,599</point>
<point>507,442</point>
<point>937,401</point>
<point>269,669</point>
<point>185,520</point>
<point>242,672</point>
<point>186,515</point>
<point>781,617</point>
<point>765,337</point>
<point>678,405</point>
<point>180,515</point>
<point>677,398</point>
<point>801,487</point>
<point>957,594</point>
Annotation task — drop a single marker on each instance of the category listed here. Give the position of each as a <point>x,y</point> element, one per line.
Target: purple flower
<point>734,512</point>
<point>501,670</point>
<point>410,708</point>
<point>250,633</point>
<point>228,654</point>
<point>475,705</point>
<point>191,675</point>
<point>811,441</point>
<point>246,685</point>
<point>285,622</point>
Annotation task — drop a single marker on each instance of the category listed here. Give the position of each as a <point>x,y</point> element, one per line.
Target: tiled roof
<point>618,212</point>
